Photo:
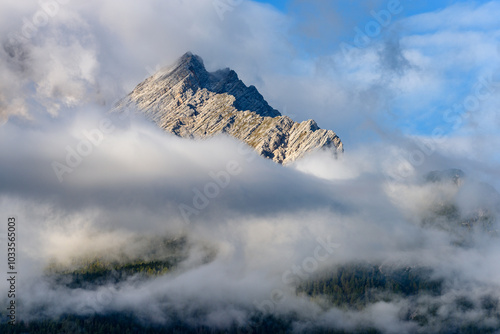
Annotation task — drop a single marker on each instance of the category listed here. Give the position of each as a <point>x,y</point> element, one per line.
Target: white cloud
<point>269,217</point>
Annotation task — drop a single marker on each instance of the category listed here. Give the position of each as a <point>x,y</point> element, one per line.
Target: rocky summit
<point>187,100</point>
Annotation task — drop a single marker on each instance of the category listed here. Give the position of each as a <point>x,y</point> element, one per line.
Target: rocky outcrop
<point>190,102</point>
<point>453,175</point>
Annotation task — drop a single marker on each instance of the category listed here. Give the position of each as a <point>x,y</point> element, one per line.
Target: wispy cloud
<point>61,81</point>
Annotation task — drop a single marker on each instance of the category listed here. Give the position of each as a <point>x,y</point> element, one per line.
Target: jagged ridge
<point>187,100</point>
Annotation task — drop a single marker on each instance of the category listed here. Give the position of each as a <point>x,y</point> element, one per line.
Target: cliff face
<point>190,102</point>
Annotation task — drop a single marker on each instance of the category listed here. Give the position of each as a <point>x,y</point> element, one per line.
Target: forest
<point>353,286</point>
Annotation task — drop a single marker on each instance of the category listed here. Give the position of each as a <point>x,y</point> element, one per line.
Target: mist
<point>258,237</point>
<point>87,183</point>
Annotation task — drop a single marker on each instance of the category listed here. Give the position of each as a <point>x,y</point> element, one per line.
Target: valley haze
<point>247,167</point>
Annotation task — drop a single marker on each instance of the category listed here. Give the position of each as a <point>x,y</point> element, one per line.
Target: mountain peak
<point>192,62</point>
<point>187,100</point>
<point>188,55</point>
<point>189,68</point>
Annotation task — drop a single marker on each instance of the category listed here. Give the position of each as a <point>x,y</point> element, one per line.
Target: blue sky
<point>413,77</point>
<point>444,49</point>
<point>411,7</point>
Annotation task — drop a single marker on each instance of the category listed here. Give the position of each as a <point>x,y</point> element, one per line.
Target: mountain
<point>188,101</point>
<point>458,208</point>
<point>452,175</point>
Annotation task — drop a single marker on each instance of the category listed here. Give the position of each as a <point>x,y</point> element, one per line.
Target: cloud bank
<point>254,229</point>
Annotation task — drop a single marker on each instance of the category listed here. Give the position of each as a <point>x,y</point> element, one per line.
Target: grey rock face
<point>190,102</point>
<point>449,175</point>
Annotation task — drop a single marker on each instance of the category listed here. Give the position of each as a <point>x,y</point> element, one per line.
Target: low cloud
<point>130,189</point>
<point>81,188</point>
